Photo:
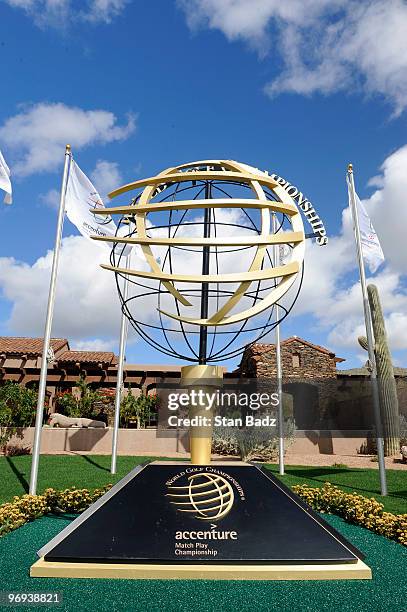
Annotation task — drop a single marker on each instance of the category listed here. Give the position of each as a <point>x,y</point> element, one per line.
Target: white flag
<point>371,248</point>
<point>5,182</point>
<point>81,196</point>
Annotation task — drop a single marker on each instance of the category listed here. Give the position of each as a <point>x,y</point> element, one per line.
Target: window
<point>296,360</point>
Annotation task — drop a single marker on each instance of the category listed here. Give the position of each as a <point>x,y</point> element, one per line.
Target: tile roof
<point>60,346</point>
<point>105,357</point>
<point>258,349</point>
<point>29,346</point>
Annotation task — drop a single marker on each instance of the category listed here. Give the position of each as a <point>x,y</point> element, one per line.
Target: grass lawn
<point>90,471</point>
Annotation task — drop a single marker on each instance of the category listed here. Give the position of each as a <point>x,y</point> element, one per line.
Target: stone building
<point>309,377</point>
<point>300,360</point>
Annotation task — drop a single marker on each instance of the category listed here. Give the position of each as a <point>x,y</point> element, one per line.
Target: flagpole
<point>276,258</point>
<point>48,327</point>
<point>119,379</point>
<point>369,334</point>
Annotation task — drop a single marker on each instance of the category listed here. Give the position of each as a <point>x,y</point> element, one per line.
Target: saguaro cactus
<point>385,375</point>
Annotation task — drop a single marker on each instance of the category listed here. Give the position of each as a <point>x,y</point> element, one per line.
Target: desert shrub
<point>224,442</point>
<point>251,443</point>
<point>12,450</point>
<point>257,444</point>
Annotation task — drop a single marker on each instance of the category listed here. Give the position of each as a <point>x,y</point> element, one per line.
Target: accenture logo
<point>207,496</point>
<point>205,535</point>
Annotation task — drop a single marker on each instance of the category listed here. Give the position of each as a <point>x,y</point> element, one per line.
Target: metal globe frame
<point>214,335</point>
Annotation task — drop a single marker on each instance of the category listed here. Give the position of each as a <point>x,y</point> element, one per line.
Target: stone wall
<point>354,396</point>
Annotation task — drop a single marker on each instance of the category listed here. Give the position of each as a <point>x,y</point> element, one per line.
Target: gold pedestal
<point>205,378</point>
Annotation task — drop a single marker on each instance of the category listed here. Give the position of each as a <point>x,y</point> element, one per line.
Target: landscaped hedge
<point>355,509</point>
<point>29,507</point>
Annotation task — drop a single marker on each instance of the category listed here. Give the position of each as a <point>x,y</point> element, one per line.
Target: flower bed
<point>29,507</point>
<point>356,509</point>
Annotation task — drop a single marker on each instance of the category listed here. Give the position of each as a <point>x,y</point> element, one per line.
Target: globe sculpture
<point>216,257</point>
<point>206,268</point>
<point>217,245</point>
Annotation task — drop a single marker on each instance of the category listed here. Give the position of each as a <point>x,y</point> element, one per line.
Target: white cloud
<point>50,198</point>
<point>86,303</point>
<point>87,306</point>
<point>38,134</point>
<point>388,207</point>
<point>396,322</point>
<point>327,293</point>
<point>59,13</point>
<point>95,344</point>
<point>106,176</point>
<point>250,21</point>
<point>104,10</point>
<point>325,45</point>
<point>44,12</point>
<point>346,321</point>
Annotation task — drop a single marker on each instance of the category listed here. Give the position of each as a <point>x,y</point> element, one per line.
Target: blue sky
<point>137,86</point>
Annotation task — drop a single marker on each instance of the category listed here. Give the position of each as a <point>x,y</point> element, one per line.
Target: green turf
<point>362,481</point>
<point>61,471</point>
<point>385,593</point>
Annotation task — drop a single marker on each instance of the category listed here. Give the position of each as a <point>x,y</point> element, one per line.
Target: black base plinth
<point>179,513</point>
